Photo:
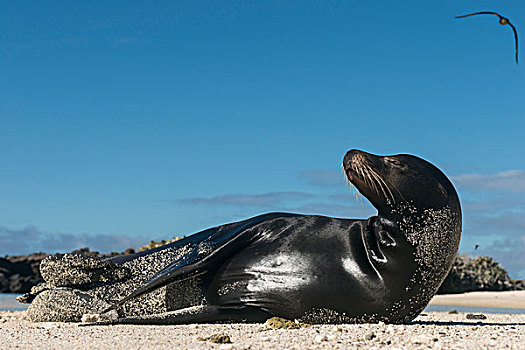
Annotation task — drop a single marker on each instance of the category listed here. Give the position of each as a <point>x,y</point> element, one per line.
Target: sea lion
<point>313,268</point>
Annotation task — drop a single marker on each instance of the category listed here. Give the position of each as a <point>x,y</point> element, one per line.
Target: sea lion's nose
<point>347,160</point>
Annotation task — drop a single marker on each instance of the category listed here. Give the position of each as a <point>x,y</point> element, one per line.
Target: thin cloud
<point>270,199</point>
<point>30,240</point>
<point>506,222</point>
<point>335,210</point>
<point>510,253</point>
<point>510,180</point>
<point>493,203</point>
<point>323,178</point>
<point>494,213</point>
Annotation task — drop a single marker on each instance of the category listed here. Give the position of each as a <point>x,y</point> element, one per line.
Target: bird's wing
<point>481,13</point>
<point>515,39</point>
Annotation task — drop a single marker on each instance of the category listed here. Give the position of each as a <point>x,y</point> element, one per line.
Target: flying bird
<point>502,21</point>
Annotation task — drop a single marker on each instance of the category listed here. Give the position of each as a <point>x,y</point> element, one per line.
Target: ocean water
<point>8,303</point>
<point>474,309</point>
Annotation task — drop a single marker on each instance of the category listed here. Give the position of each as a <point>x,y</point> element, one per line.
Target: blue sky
<point>126,121</point>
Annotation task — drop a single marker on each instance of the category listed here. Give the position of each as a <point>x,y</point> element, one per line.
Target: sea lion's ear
<point>442,190</point>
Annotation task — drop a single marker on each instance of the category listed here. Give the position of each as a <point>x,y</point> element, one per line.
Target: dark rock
<point>478,274</point>
<point>19,273</point>
<point>476,317</point>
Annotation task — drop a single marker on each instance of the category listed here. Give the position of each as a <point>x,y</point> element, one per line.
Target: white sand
<point>434,330</point>
<point>431,330</point>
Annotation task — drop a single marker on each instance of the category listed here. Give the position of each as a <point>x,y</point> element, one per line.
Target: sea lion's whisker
<point>362,173</point>
<point>386,185</point>
<point>366,176</point>
<point>372,182</point>
<point>350,185</point>
<point>378,179</point>
<point>345,175</point>
<point>354,191</point>
<point>360,168</point>
<point>366,179</point>
<point>372,177</point>
<point>399,192</point>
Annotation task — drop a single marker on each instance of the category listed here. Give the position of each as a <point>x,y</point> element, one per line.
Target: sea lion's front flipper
<point>220,245</point>
<point>196,314</point>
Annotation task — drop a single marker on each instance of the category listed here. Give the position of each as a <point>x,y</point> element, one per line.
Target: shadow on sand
<point>466,323</point>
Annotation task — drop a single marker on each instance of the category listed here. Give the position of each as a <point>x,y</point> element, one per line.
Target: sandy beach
<point>510,300</point>
<point>434,330</point>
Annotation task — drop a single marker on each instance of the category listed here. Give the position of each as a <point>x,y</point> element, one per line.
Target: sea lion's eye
<point>394,161</point>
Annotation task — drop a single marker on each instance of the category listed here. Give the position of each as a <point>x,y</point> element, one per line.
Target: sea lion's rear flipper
<point>80,271</point>
<point>75,271</point>
<point>196,314</point>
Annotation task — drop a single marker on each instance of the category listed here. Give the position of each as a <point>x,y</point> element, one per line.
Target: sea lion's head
<point>416,234</point>
<point>391,183</point>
